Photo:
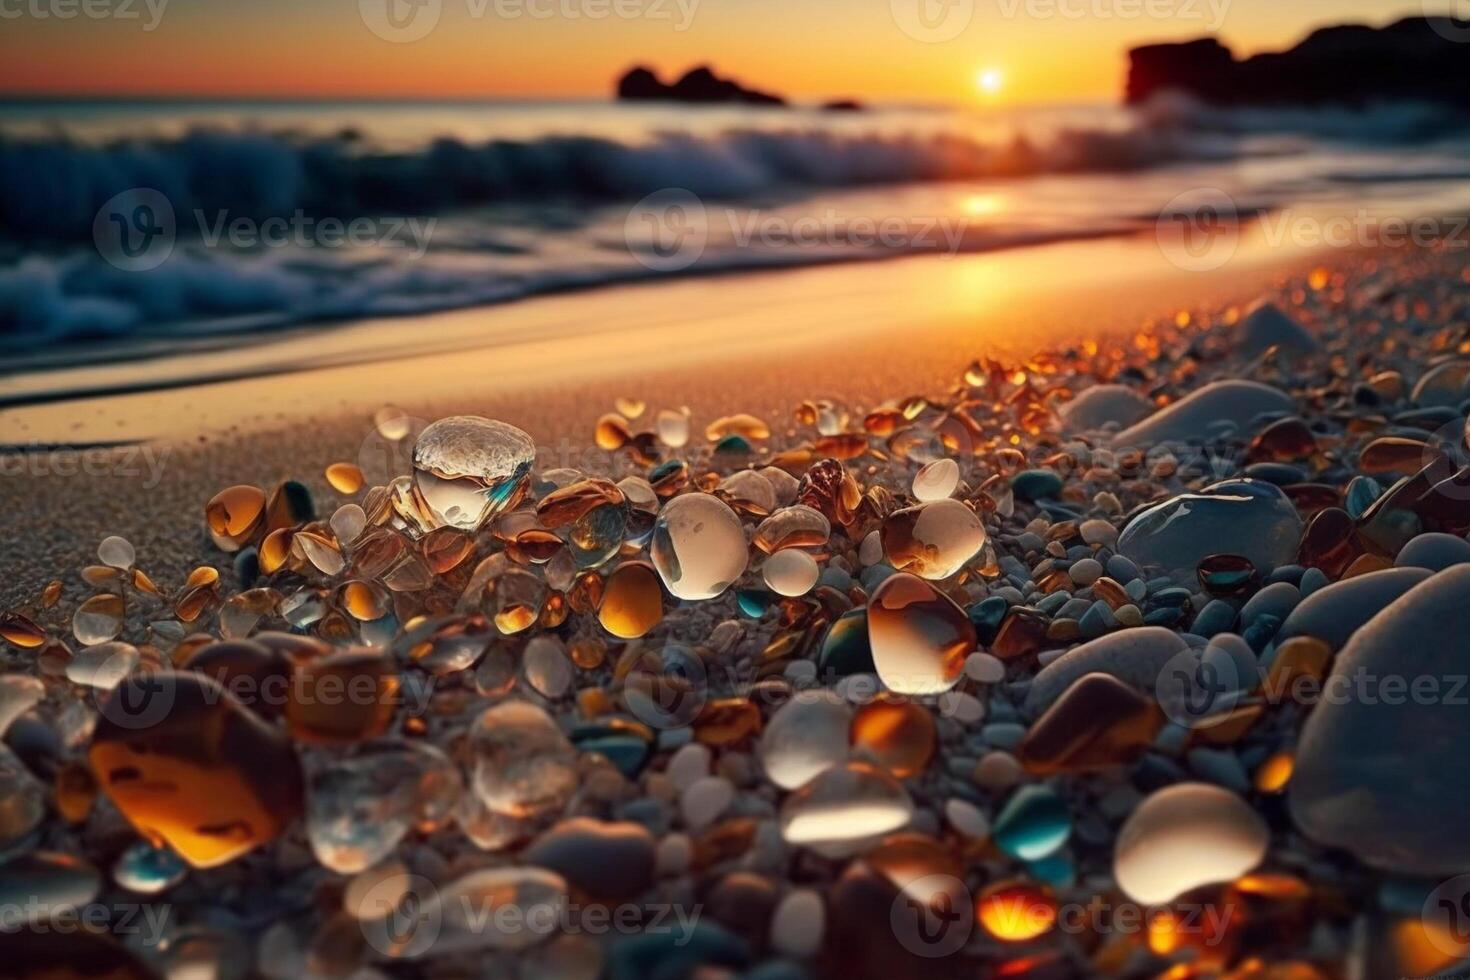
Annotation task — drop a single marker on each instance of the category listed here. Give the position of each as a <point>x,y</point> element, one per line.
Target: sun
<point>990,80</point>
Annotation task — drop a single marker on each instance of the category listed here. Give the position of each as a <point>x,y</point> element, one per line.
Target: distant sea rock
<point>698,85</point>
<point>1419,58</point>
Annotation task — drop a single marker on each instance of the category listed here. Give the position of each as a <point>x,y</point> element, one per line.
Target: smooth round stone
<point>806,736</point>
<point>790,572</point>
<point>898,735</point>
<point>18,694</point>
<point>1134,656</point>
<point>698,546</point>
<point>1086,571</point>
<point>1103,405</point>
<point>967,819</point>
<point>997,771</point>
<point>45,884</point>
<point>1434,551</point>
<point>1189,419</point>
<point>1335,612</point>
<point>1377,773</point>
<point>523,765</point>
<point>360,808</point>
<point>1217,616</point>
<point>936,480</point>
<point>798,923</point>
<point>985,668</point>
<point>1240,517</point>
<point>1097,723</point>
<point>24,795</point>
<point>1034,485</point>
<point>1098,532</point>
<point>690,763</point>
<point>547,668</point>
<point>116,552</point>
<point>705,800</point>
<point>933,540</point>
<point>539,896</point>
<point>1274,600</point>
<point>148,870</point>
<point>850,802</point>
<point>1186,836</point>
<point>468,469</point>
<point>1267,326</point>
<point>919,637</point>
<point>610,861</point>
<point>1033,824</point>
<point>1442,386</point>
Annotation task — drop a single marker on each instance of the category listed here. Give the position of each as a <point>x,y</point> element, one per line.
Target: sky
<point>931,51</point>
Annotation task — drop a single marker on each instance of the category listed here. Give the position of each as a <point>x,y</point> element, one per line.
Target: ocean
<point>129,222</point>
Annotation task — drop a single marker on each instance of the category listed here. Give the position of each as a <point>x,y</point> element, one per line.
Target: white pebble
<point>705,800</point>
<point>997,771</point>
<point>689,764</point>
<point>1086,571</point>
<point>985,668</point>
<point>674,854</point>
<point>798,923</point>
<point>967,819</point>
<point>116,552</point>
<point>936,480</point>
<point>870,552</point>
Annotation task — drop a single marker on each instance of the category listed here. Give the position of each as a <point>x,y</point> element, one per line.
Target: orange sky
<point>1047,50</point>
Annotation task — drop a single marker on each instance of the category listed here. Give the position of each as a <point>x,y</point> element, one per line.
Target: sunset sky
<point>1033,50</point>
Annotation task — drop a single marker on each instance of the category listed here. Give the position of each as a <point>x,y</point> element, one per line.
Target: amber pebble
<point>1393,454</point>
<point>632,600</point>
<point>295,647</point>
<point>1022,633</point>
<point>1111,592</point>
<point>589,653</point>
<point>1016,911</point>
<point>189,766</point>
<point>744,903</point>
<point>1364,564</point>
<point>1176,933</point>
<point>586,592</point>
<point>883,422</point>
<point>1230,726</point>
<point>829,488</point>
<point>1222,575</point>
<point>1097,722</point>
<point>897,735</point>
<point>1309,498</point>
<point>611,432</point>
<point>1330,543</point>
<point>143,583</point>
<point>724,841</point>
<point>727,721</point>
<point>1273,774</point>
<point>1282,441</point>
<point>573,502</point>
<point>343,697</point>
<point>743,425</point>
<point>254,673</point>
<point>234,515</point>
<point>21,630</point>
<point>1297,670</point>
<point>844,446</point>
<point>76,791</point>
<point>446,548</point>
<point>344,477</point>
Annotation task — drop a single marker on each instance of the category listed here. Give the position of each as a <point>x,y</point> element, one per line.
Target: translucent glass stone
<point>443,645</point>
<point>936,480</point>
<point>806,736</point>
<point>468,469</point>
<point>348,522</point>
<point>22,799</point>
<point>18,694</point>
<point>46,885</point>
<point>148,870</point>
<point>547,668</point>
<point>538,896</point>
<point>1100,722</point>
<point>189,766</point>
<point>919,637</point>
<point>932,540</point>
<point>597,535</point>
<point>797,526</point>
<point>1238,517</point>
<point>523,765</point>
<point>699,546</point>
<point>344,697</point>
<point>98,619</point>
<point>790,572</point>
<point>673,428</point>
<point>116,552</point>
<point>103,666</point>
<point>1016,911</point>
<point>359,808</point>
<point>1033,824</point>
<point>392,423</point>
<point>344,477</point>
<point>234,515</point>
<point>748,491</point>
<point>1185,836</point>
<point>896,735</point>
<point>850,802</point>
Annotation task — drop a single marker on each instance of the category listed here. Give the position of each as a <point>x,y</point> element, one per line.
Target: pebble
<point>846,803</point>
<point>1185,836</point>
<point>1337,611</point>
<point>1235,402</point>
<point>1086,571</point>
<point>1103,405</point>
<point>1240,517</point>
<point>1266,326</point>
<point>704,800</point>
<point>1434,551</point>
<point>984,668</point>
<point>967,819</point>
<point>805,736</point>
<point>798,922</point>
<point>1134,656</point>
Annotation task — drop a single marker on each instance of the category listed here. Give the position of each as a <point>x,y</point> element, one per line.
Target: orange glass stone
<point>632,601</point>
<point>1016,911</point>
<point>1282,441</point>
<point>189,766</point>
<point>1097,722</point>
<point>727,721</point>
<point>21,630</point>
<point>897,735</point>
<point>1393,454</point>
<point>1297,670</point>
<point>1330,543</point>
<point>344,477</point>
<point>573,502</point>
<point>343,697</point>
<point>234,515</point>
<point>76,791</point>
<point>1022,633</point>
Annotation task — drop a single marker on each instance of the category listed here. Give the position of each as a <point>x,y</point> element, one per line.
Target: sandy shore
<point>758,343</point>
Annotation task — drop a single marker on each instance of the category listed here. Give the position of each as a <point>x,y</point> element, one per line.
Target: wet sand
<point>286,407</point>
